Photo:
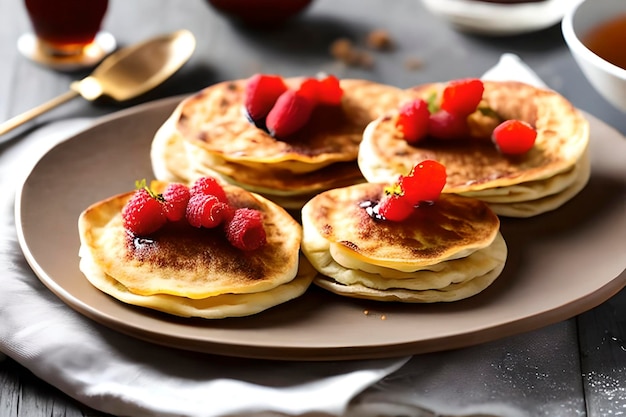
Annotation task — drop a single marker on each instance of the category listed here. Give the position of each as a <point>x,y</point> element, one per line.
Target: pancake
<point>551,171</point>
<point>209,132</point>
<point>446,251</point>
<point>215,307</point>
<point>180,262</point>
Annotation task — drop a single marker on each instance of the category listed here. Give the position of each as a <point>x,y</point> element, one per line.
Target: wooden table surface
<point>226,51</point>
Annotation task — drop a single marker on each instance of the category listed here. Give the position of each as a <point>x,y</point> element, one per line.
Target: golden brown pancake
<point>215,307</point>
<point>475,166</point>
<point>183,261</point>
<point>209,132</point>
<point>453,243</point>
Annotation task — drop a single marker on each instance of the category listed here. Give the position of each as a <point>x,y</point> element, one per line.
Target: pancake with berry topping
<point>187,269</point>
<point>553,171</point>
<point>209,133</point>
<point>443,251</point>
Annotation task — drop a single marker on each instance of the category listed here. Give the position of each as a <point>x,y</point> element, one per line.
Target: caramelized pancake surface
<point>191,262</point>
<point>473,164</point>
<point>215,307</point>
<point>448,229</point>
<point>214,121</point>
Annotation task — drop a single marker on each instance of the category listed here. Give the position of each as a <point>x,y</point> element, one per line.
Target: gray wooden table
<point>226,51</point>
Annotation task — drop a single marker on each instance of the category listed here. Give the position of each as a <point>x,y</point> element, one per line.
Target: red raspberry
<point>205,210</point>
<point>210,186</point>
<point>143,214</point>
<point>514,137</point>
<point>261,93</point>
<point>290,113</point>
<point>424,183</point>
<point>413,120</point>
<point>445,125</point>
<point>330,91</point>
<point>462,96</point>
<point>176,197</point>
<point>245,230</point>
<point>394,207</point>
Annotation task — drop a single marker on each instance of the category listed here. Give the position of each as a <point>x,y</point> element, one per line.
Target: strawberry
<point>394,207</point>
<point>205,210</point>
<point>245,230</point>
<point>445,125</point>
<point>143,214</point>
<point>330,92</point>
<point>514,137</point>
<point>289,114</point>
<point>310,88</point>
<point>462,96</point>
<point>176,197</point>
<point>413,120</point>
<point>261,92</point>
<point>325,91</point>
<point>210,186</point>
<point>424,183</point>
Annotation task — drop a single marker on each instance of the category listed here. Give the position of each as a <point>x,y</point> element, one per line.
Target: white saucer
<point>498,19</point>
<point>104,44</point>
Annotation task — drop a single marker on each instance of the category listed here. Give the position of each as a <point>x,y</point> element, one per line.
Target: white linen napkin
<point>124,376</point>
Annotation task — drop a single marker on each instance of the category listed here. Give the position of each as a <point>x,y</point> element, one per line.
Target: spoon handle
<point>20,119</point>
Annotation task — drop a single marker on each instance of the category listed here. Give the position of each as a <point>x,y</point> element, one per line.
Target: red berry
<point>445,125</point>
<point>289,114</point>
<point>245,230</point>
<point>330,91</point>
<point>176,197</point>
<point>143,214</point>
<point>413,120</point>
<point>394,207</point>
<point>205,210</point>
<point>462,96</point>
<point>310,88</point>
<point>424,183</point>
<point>514,137</point>
<point>210,186</point>
<point>261,93</point>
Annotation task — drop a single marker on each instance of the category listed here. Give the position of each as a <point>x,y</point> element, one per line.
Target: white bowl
<point>608,79</point>
<point>494,19</point>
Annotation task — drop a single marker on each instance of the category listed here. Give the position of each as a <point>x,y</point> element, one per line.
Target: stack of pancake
<point>209,134</point>
<point>550,174</point>
<point>193,272</point>
<point>445,251</point>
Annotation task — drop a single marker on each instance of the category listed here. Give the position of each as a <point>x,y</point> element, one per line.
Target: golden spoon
<point>124,74</point>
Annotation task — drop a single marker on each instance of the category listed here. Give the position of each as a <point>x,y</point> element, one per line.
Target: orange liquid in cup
<point>608,41</point>
<point>65,27</point>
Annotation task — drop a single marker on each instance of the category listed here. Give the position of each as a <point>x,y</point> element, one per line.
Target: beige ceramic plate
<point>560,263</point>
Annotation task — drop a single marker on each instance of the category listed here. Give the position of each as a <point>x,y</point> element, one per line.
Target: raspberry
<point>445,125</point>
<point>143,214</point>
<point>245,230</point>
<point>394,207</point>
<point>176,197</point>
<point>210,186</point>
<point>424,183</point>
<point>461,97</point>
<point>413,120</point>
<point>261,93</point>
<point>514,137</point>
<point>289,114</point>
<point>205,210</point>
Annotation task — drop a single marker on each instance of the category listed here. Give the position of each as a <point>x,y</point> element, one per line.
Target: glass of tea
<point>66,33</point>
